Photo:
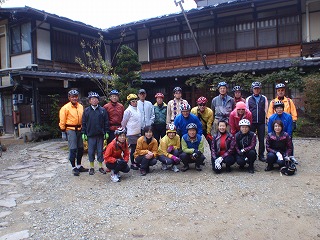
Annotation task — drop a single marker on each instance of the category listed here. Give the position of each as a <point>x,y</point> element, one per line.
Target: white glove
<point>279,155</point>
<point>218,162</point>
<point>242,150</point>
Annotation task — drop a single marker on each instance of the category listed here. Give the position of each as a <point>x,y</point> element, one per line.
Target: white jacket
<point>146,112</point>
<point>131,121</point>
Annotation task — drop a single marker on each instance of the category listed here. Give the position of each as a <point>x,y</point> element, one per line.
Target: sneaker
<point>143,172</point>
<point>185,168</point>
<point>228,168</point>
<point>251,170</point>
<point>134,167</point>
<point>268,168</point>
<point>175,168</point>
<point>198,168</point>
<point>76,171</point>
<point>108,170</point>
<point>114,178</point>
<point>262,158</point>
<point>102,170</point>
<point>91,171</point>
<point>164,166</point>
<point>82,169</point>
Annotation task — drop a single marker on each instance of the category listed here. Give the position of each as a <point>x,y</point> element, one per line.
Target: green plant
<point>312,96</point>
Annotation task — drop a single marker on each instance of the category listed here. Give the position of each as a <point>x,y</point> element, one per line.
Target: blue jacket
<point>286,119</point>
<point>181,123</point>
<point>95,122</point>
<point>258,110</point>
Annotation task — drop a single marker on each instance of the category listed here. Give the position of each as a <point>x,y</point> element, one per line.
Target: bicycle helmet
<point>278,104</point>
<point>237,88</point>
<point>280,85</point>
<point>171,128</point>
<point>244,122</point>
<point>73,92</point>
<point>114,92</point>
<point>202,100</point>
<point>191,126</point>
<point>159,95</point>
<point>93,94</point>
<point>185,107</point>
<point>119,131</point>
<point>222,84</point>
<point>177,89</point>
<point>256,85</point>
<point>132,96</point>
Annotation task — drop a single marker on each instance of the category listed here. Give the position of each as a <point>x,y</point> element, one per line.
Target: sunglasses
<point>133,101</point>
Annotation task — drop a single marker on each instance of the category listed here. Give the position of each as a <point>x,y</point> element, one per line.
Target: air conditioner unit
<point>14,96</point>
<point>20,98</point>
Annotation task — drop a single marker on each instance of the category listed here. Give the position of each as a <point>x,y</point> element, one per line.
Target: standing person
<point>146,110</point>
<point>70,122</point>
<point>237,91</point>
<point>246,146</point>
<point>95,128</point>
<point>184,118</point>
<point>258,106</point>
<point>147,151</point>
<point>132,122</point>
<point>169,149</point>
<point>116,156</point>
<point>240,112</point>
<point>222,105</point>
<point>205,115</point>
<point>222,148</point>
<point>115,113</point>
<point>173,108</point>
<point>289,106</point>
<point>160,112</point>
<point>279,145</point>
<point>285,118</point>
<point>192,145</point>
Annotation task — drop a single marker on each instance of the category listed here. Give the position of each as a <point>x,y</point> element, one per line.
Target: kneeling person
<point>192,148</point>
<point>116,156</point>
<point>245,146</point>
<point>169,149</point>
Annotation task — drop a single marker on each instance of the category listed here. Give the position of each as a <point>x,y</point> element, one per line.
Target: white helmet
<point>244,122</point>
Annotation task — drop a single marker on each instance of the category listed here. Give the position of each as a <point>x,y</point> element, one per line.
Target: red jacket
<point>234,120</point>
<point>114,151</point>
<point>115,114</point>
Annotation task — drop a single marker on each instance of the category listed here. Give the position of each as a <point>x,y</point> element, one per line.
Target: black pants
<point>229,161</point>
<point>241,159</point>
<point>118,166</point>
<point>145,163</point>
<point>186,159</point>
<point>272,159</point>
<point>261,132</point>
<point>159,131</point>
<point>132,150</point>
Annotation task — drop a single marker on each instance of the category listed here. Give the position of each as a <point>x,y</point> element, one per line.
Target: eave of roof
<point>231,68</point>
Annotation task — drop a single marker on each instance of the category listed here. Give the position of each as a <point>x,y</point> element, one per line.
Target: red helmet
<point>159,95</point>
<point>202,100</point>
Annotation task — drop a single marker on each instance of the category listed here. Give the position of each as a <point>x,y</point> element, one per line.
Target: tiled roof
<point>61,75</point>
<point>231,68</point>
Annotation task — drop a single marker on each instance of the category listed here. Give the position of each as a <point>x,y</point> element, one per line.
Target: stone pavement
<point>21,182</point>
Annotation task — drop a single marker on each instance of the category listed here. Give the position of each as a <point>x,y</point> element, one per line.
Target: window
<point>288,29</point>
<point>21,38</point>
<point>245,35</point>
<point>206,40</point>
<point>267,32</point>
<point>157,48</point>
<point>225,38</point>
<point>189,47</point>
<point>173,45</point>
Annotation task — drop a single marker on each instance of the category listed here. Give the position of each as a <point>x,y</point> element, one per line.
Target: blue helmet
<point>114,92</point>
<point>93,94</point>
<point>256,85</point>
<point>222,84</point>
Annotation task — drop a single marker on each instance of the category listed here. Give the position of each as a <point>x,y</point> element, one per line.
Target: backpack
<point>289,168</point>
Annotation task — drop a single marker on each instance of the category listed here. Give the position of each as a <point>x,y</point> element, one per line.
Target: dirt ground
<point>168,205</point>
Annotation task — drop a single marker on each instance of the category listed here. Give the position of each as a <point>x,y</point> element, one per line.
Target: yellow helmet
<point>132,96</point>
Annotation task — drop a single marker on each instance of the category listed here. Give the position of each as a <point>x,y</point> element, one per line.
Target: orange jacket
<point>71,117</point>
<point>114,152</point>
<point>289,107</point>
<point>143,148</point>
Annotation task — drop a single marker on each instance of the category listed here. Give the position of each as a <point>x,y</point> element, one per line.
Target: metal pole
<point>202,56</point>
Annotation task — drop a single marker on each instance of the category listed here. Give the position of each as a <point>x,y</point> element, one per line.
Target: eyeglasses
<point>133,101</point>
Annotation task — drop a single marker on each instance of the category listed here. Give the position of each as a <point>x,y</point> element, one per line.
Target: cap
<point>142,91</point>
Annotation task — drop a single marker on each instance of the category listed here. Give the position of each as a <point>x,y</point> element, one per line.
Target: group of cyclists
<point>174,133</point>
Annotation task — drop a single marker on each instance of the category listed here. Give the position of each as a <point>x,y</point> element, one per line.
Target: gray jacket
<point>222,111</point>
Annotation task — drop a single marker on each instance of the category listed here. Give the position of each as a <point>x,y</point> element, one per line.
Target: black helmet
<point>191,126</point>
<point>280,85</point>
<point>119,131</point>
<point>278,104</point>
<point>237,88</point>
<point>73,92</point>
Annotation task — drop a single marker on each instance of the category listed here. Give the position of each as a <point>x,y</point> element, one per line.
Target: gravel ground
<point>53,204</point>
